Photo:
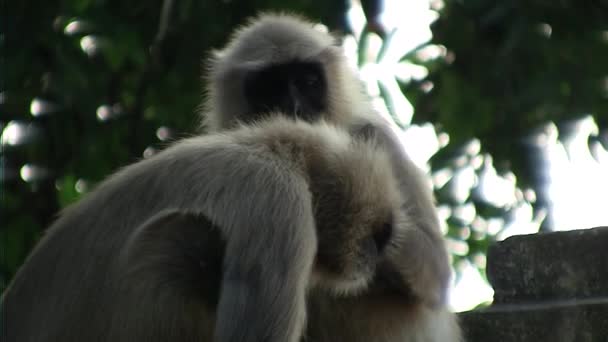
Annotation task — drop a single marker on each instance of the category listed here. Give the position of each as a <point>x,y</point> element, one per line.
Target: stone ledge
<point>567,321</point>
<point>550,266</point>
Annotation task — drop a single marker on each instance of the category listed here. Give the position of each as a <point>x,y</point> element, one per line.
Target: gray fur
<point>136,259</point>
<point>417,258</point>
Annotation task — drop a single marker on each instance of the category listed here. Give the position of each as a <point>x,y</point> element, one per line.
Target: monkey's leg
<point>168,280</point>
<point>176,259</point>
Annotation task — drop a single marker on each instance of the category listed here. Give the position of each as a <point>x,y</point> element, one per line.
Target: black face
<point>298,89</point>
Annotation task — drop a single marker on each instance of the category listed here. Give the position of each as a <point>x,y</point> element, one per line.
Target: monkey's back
<point>66,290</point>
<point>69,289</point>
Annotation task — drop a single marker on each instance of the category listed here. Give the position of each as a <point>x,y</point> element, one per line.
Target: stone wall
<point>548,287</point>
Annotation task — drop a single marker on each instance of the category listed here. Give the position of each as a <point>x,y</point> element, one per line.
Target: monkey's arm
<point>424,260</point>
<point>266,271</point>
<point>264,215</point>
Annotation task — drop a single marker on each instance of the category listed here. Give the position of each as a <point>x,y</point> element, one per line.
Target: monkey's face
<point>277,64</point>
<point>350,251</point>
<point>355,212</point>
<point>296,88</point>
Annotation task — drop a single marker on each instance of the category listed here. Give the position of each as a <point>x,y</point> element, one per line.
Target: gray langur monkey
<point>281,64</point>
<point>218,237</point>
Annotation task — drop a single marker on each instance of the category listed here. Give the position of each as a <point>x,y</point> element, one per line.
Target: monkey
<point>280,64</point>
<point>219,237</point>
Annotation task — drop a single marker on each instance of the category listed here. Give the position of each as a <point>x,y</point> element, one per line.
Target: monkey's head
<point>278,64</point>
<point>357,212</point>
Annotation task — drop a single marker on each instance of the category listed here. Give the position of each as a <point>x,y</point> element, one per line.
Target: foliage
<point>515,65</point>
<point>88,86</point>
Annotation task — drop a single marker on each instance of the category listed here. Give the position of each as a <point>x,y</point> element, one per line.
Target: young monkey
<point>219,237</point>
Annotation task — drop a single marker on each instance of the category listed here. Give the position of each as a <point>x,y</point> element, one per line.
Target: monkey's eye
<point>383,235</point>
<point>311,80</point>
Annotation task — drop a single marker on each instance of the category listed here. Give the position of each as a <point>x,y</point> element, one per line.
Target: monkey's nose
<point>294,96</point>
<point>382,236</point>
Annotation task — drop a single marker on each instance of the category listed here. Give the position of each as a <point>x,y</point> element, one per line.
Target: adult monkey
<point>280,63</point>
<point>217,237</point>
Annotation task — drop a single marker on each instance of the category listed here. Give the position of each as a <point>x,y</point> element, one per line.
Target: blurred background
<point>503,104</point>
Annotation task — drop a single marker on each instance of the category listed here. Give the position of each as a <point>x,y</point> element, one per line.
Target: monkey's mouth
<point>342,281</point>
<point>383,281</point>
<point>387,280</point>
<point>349,287</point>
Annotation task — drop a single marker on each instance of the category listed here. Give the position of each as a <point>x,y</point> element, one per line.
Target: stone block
<point>550,266</point>
<point>570,321</point>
